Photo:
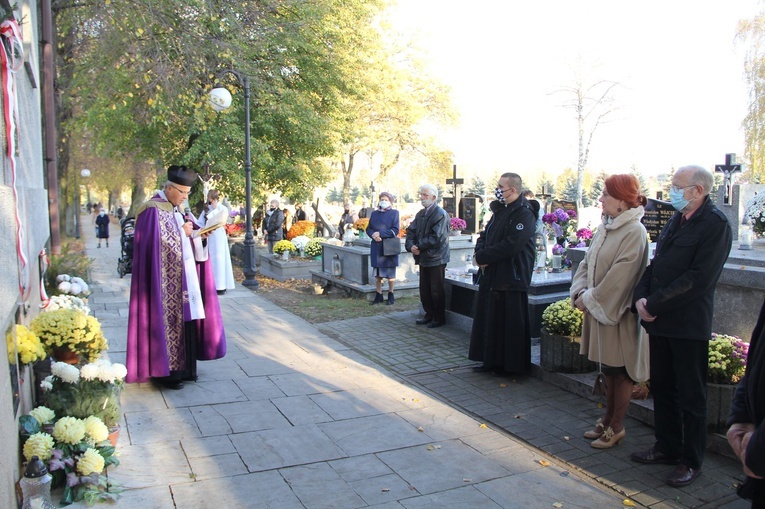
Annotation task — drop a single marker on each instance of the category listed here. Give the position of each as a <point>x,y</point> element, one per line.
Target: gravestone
<point>470,208</point>
<point>657,213</point>
<point>565,205</point>
<point>728,169</point>
<point>456,183</point>
<point>740,194</point>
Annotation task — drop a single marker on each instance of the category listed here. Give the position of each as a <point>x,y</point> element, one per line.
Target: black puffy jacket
<point>429,231</point>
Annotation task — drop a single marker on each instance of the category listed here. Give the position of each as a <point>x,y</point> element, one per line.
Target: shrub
<point>562,318</point>
<point>307,228</point>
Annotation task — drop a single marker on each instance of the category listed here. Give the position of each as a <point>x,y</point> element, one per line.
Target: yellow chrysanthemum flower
<point>43,415</point>
<point>90,462</point>
<point>40,445</point>
<point>69,430</point>
<point>96,429</point>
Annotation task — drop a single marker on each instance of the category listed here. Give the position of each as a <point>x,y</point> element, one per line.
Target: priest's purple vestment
<point>159,298</point>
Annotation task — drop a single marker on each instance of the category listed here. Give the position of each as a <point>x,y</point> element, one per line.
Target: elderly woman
<point>602,287</point>
<point>383,224</point>
<point>102,227</point>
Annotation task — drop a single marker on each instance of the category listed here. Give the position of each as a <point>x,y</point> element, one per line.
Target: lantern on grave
<point>745,234</point>
<point>35,486</point>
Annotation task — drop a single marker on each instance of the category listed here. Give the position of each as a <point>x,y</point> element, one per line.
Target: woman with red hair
<point>602,287</point>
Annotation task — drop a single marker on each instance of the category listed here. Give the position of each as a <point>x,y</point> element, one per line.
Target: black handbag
<point>391,246</point>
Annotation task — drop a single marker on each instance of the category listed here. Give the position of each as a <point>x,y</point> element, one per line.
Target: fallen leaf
<point>467,480</point>
<point>503,385</point>
<point>420,429</point>
<point>517,416</point>
<point>385,490</point>
<point>629,503</point>
<point>566,438</point>
<point>557,504</point>
<point>433,447</point>
<point>600,405</point>
<point>483,426</point>
<point>564,473</point>
<point>544,463</point>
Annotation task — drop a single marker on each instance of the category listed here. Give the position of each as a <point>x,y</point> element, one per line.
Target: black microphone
<point>187,214</point>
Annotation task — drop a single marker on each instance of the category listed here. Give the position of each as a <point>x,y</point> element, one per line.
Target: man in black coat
<point>747,418</point>
<point>427,238</point>
<point>501,335</point>
<point>675,301</point>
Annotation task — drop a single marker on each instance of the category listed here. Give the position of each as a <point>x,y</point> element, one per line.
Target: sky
<point>681,98</point>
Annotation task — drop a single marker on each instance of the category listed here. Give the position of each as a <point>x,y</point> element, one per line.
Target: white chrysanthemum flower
<point>66,372</point>
<point>43,415</point>
<point>62,277</point>
<point>105,373</point>
<point>75,289</point>
<point>89,371</point>
<point>65,286</point>
<point>120,371</point>
<point>40,445</point>
<point>69,430</point>
<point>47,384</point>
<point>85,287</point>
<point>77,280</point>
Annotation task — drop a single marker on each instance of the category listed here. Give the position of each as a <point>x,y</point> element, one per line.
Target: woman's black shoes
<point>391,299</point>
<point>378,299</point>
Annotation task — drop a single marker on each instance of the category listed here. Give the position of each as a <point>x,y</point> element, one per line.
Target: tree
<point>477,187</point>
<point>592,103</point>
<point>597,187</point>
<point>752,33</point>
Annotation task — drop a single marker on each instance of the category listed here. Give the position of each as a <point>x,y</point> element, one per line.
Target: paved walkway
<point>372,412</point>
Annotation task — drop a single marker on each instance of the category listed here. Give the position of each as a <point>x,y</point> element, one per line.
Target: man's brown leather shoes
<point>683,476</point>
<point>653,456</point>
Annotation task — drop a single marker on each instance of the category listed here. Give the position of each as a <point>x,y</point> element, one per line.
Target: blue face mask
<point>677,200</point>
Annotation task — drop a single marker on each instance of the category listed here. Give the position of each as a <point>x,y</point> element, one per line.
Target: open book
<point>209,228</point>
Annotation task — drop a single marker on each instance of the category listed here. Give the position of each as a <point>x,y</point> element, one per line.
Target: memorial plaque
<point>657,213</point>
<point>565,205</point>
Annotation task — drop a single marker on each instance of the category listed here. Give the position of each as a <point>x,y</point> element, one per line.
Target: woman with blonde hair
<point>602,287</point>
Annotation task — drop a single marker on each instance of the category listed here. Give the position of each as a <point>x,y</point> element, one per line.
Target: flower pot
<point>455,233</point>
<point>114,434</point>
<point>561,354</point>
<point>285,255</point>
<point>62,355</point>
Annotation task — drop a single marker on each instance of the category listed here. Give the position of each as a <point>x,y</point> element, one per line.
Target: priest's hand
<point>188,228</point>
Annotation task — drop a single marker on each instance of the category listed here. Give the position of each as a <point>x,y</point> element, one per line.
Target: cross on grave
<point>207,179</point>
<point>728,169</point>
<point>455,183</point>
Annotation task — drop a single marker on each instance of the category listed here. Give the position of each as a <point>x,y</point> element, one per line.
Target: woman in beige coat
<point>602,287</point>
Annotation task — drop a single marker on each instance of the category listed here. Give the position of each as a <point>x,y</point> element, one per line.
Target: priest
<point>174,317</point>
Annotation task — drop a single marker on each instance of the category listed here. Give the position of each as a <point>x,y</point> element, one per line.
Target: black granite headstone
<point>657,213</point>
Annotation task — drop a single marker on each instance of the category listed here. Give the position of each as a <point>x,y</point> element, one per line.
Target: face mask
<point>427,202</point>
<point>677,200</point>
<point>499,195</point>
<point>102,213</point>
<point>384,204</point>
<point>272,209</point>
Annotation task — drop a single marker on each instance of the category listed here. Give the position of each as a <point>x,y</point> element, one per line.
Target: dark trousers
<point>432,293</point>
<point>679,387</point>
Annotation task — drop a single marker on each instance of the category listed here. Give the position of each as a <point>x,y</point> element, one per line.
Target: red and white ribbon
<point>12,56</point>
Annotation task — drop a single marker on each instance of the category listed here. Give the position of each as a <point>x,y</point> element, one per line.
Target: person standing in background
<point>383,224</point>
<point>272,224</point>
<point>217,243</point>
<point>299,213</point>
<point>427,238</point>
<point>287,221</point>
<point>102,227</point>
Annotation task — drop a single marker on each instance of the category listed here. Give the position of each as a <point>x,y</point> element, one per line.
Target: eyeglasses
<point>184,193</point>
<point>676,189</point>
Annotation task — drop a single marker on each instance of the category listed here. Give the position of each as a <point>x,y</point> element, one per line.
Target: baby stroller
<point>125,262</point>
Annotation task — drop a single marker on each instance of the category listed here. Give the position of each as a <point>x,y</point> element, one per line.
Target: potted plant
<point>313,248</point>
<point>561,339</point>
<point>561,224</point>
<point>727,363</point>
<point>76,452</point>
<point>283,248</point>
<point>360,225</point>
<point>456,225</point>
<point>70,331</point>
<point>307,228</point>
<point>25,344</point>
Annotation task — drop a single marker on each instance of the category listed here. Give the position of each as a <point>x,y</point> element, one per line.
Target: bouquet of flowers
<point>26,344</point>
<point>558,250</point>
<point>361,224</point>
<point>583,237</point>
<point>307,228</point>
<point>755,210</point>
<point>727,359</point>
<point>300,242</point>
<point>72,285</point>
<point>313,248</point>
<point>234,229</point>
<point>562,318</point>
<point>561,223</point>
<point>66,302</point>
<point>456,224</point>
<point>72,330</point>
<point>284,245</point>
<point>93,390</point>
<point>75,453</point>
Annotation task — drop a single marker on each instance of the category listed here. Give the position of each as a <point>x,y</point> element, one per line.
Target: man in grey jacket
<point>427,238</point>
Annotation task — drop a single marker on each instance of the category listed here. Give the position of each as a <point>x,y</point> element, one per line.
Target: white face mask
<point>102,213</point>
<point>427,202</point>
<point>384,204</point>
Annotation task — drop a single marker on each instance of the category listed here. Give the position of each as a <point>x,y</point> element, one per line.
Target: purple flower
<point>581,244</point>
<point>549,218</point>
<point>558,249</point>
<point>72,479</point>
<point>584,233</point>
<point>557,229</point>
<point>561,215</point>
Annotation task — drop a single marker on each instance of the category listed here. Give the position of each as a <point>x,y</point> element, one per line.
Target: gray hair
<point>700,176</point>
<point>431,189</point>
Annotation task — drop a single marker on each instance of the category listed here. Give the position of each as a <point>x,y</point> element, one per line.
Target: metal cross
<point>728,169</point>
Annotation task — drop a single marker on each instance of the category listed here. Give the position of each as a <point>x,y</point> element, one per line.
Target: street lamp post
<point>85,174</point>
<point>220,99</point>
